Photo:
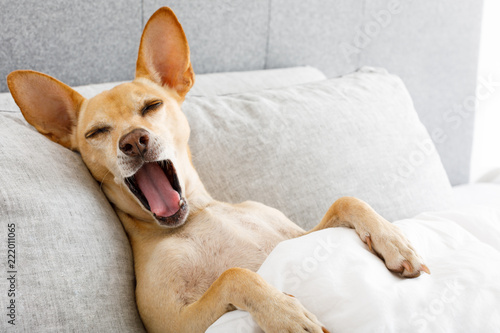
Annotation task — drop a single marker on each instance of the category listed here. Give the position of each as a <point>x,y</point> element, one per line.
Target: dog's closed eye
<point>97,131</point>
<point>151,106</point>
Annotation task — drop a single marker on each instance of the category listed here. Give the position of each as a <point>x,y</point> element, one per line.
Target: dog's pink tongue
<point>162,198</point>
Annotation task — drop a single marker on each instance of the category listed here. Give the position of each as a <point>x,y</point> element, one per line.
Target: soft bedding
<point>350,290</point>
<point>477,193</point>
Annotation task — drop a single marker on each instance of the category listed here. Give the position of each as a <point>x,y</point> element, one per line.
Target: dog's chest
<point>231,240</point>
<point>216,241</point>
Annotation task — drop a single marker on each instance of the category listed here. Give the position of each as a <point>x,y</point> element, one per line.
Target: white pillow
<point>300,148</point>
<point>334,275</point>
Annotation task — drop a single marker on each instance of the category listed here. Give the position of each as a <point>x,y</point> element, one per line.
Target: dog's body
<point>195,257</point>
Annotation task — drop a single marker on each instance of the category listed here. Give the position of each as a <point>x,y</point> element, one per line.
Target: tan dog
<point>195,258</point>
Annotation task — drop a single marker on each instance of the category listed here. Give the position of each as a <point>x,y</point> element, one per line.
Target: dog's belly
<point>222,237</point>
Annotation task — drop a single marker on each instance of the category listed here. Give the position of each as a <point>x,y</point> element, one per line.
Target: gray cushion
<point>236,82</point>
<point>300,148</point>
<point>73,261</point>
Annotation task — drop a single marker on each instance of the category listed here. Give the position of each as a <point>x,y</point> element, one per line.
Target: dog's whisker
<point>126,180</point>
<point>102,181</point>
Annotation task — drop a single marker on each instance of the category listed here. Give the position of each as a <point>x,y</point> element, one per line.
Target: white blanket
<point>350,290</point>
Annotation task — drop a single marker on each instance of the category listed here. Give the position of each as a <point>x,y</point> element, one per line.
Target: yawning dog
<point>195,258</point>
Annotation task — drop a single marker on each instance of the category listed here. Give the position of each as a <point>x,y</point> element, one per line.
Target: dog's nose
<point>135,143</point>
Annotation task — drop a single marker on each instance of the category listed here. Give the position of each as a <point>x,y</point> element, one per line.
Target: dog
<point>195,258</point>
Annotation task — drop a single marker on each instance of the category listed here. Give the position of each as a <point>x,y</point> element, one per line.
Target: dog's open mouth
<point>157,187</point>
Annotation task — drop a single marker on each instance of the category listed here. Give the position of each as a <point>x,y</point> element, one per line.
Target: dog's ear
<point>164,53</point>
<point>47,104</point>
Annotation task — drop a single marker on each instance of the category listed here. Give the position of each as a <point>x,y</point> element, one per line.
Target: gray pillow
<point>73,260</point>
<point>240,82</point>
<point>300,148</point>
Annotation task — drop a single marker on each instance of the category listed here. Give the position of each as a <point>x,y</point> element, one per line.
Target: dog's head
<point>134,137</point>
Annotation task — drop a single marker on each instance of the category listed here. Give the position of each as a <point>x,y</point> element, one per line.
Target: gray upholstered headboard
<point>432,45</point>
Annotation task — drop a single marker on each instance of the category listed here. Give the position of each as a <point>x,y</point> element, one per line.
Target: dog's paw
<point>389,243</point>
<point>284,313</point>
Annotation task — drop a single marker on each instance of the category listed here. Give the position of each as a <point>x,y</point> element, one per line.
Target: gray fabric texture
<point>239,82</point>
<point>441,81</point>
<point>73,260</point>
<point>431,45</point>
<point>300,148</point>
<point>78,42</point>
<point>228,35</point>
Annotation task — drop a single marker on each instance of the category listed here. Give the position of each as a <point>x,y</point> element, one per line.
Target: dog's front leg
<point>382,237</point>
<point>239,288</point>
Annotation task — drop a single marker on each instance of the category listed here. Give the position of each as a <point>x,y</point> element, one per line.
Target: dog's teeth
<point>182,202</point>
